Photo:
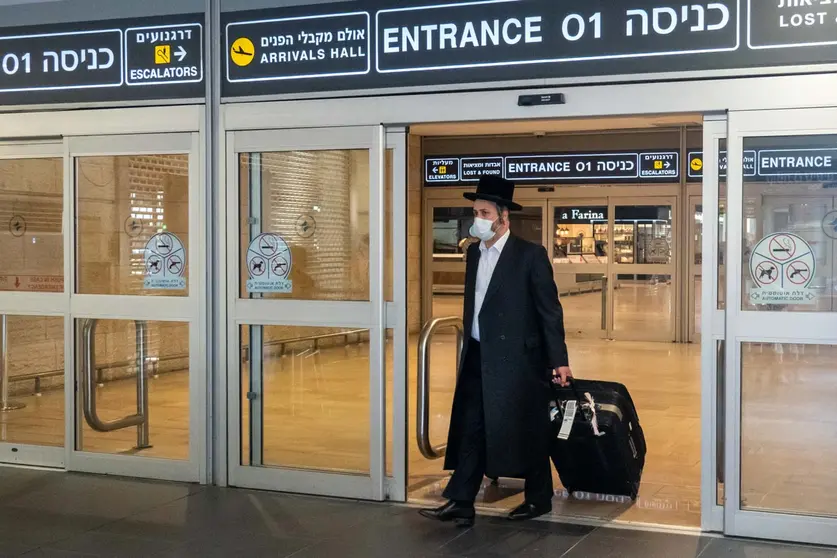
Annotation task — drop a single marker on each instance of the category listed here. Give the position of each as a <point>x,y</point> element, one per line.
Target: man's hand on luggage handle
<point>562,375</point>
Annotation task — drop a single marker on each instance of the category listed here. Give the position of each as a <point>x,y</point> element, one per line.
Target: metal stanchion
<point>5,403</point>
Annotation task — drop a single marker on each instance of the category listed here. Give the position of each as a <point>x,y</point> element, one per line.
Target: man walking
<point>514,346</point>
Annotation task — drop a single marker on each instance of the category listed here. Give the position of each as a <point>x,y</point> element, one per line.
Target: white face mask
<point>482,229</point>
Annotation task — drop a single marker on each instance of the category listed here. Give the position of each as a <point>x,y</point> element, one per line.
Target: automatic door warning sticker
<point>269,265</point>
<point>782,267</point>
<point>242,52</point>
<point>165,263</point>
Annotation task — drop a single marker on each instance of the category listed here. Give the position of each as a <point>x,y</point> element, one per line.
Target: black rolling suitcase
<point>599,447</point>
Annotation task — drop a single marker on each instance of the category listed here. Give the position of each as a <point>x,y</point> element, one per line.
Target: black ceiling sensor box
<point>535,100</point>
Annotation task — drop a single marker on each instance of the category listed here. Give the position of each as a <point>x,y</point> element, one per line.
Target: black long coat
<point>521,341</point>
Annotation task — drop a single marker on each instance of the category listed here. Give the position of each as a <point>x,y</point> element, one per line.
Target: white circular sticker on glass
<point>782,266</point>
<point>165,263</point>
<point>269,265</point>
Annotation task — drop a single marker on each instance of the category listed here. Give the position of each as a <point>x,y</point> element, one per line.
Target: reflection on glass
<point>642,234</point>
<point>114,371</point>
<point>123,202</point>
<point>31,213</point>
<point>451,225</point>
<point>789,257</point>
<point>450,232</point>
<point>787,430</point>
<point>643,303</point>
<point>580,235</point>
<point>35,359</point>
<point>317,202</point>
<point>315,397</point>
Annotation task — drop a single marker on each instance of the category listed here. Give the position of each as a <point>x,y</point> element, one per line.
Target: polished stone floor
<point>55,515</point>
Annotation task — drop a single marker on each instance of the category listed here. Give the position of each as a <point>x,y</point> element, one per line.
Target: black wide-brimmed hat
<point>495,189</point>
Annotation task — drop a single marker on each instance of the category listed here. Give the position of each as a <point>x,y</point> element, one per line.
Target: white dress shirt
<point>488,261</point>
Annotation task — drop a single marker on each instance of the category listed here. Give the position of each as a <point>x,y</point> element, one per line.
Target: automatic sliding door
<point>136,306</point>
<point>307,297</point>
<point>32,305</point>
<point>781,316</point>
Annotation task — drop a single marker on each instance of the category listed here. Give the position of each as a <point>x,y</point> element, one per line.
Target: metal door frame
<point>713,327</point>
<point>51,134</point>
<point>597,268</point>
<point>34,304</point>
<point>693,271</point>
<point>670,268</point>
<point>187,309</point>
<point>376,315</point>
<point>777,327</point>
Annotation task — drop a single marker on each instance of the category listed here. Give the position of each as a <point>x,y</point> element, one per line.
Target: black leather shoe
<point>461,514</point>
<point>527,511</point>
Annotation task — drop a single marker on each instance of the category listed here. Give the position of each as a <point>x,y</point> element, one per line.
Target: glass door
<point>310,271</point>
<point>781,323</point>
<point>580,244</point>
<point>643,280</point>
<point>136,323</point>
<point>33,301</point>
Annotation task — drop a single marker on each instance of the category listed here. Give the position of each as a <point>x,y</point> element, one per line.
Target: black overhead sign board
<point>775,165</point>
<point>551,168</point>
<point>153,58</point>
<point>373,44</point>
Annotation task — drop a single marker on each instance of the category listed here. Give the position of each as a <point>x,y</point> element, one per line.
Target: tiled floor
<point>54,515</point>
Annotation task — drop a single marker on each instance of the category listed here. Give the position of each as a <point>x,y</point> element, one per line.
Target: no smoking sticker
<point>165,263</point>
<point>782,266</point>
<point>269,265</point>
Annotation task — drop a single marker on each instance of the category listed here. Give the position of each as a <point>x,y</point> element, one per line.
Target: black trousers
<point>465,483</point>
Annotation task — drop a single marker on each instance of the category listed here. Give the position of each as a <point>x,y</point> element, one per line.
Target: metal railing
<point>154,362</point>
<point>427,449</point>
<point>604,301</point>
<point>6,404</point>
<point>88,366</point>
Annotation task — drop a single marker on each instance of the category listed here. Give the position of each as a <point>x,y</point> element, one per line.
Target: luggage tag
<point>569,418</point>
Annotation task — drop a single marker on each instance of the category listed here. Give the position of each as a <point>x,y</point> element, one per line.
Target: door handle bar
<point>88,357</point>
<point>427,449</point>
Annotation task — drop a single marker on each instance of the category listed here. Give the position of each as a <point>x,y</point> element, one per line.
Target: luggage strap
<point>607,407</point>
<point>591,405</point>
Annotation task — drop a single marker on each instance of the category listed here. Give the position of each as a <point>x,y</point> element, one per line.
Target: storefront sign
<point>782,266</point>
<point>577,168</point>
<point>165,263</point>
<point>367,43</point>
<point>580,215</point>
<point>624,214</point>
<point>269,265</point>
<point>140,59</point>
